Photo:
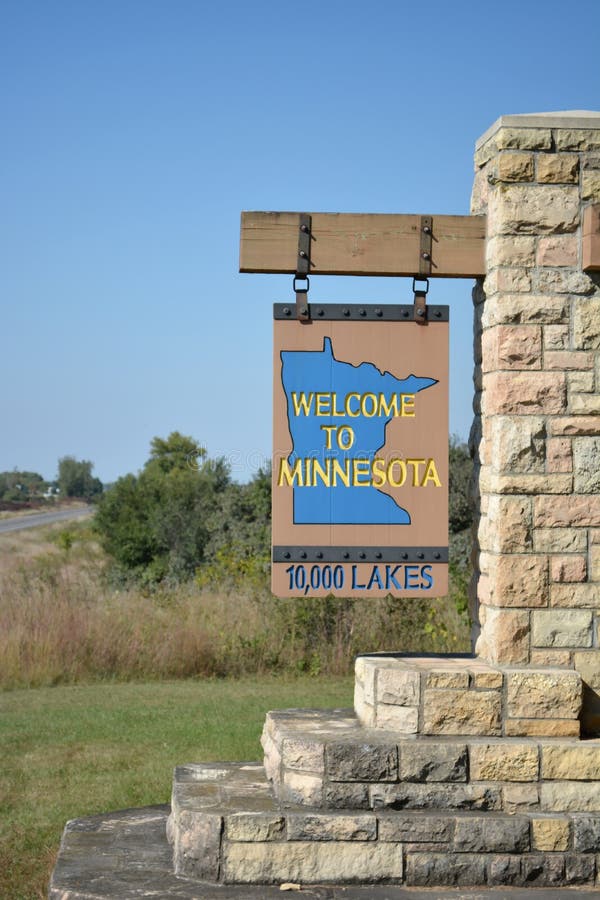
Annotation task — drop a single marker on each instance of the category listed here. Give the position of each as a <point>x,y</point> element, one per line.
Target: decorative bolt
<point>405,314</point>
<point>304,228</point>
<point>287,554</point>
<point>421,312</point>
<point>346,555</point>
<point>405,556</point>
<point>427,229</point>
<point>363,312</point>
<point>303,554</point>
<point>420,555</point>
<point>302,254</point>
<point>424,254</point>
<point>346,311</point>
<point>363,555</point>
<point>378,313</point>
<point>320,312</point>
<point>286,310</point>
<point>304,310</point>
<point>378,556</point>
<point>438,314</point>
<point>319,555</point>
<point>436,555</point>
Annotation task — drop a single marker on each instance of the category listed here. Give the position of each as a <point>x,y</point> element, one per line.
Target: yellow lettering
<point>431,474</point>
<point>335,411</point>
<point>323,404</point>
<point>360,467</point>
<point>386,408</point>
<point>396,482</point>
<point>378,469</point>
<point>324,474</point>
<point>302,404</point>
<point>290,476</point>
<point>342,474</point>
<point>347,407</point>
<point>363,405</point>
<point>407,405</point>
<point>415,463</point>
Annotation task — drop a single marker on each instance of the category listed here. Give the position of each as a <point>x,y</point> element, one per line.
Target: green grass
<point>72,751</point>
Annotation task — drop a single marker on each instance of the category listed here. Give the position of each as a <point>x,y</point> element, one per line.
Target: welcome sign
<point>360,460</point>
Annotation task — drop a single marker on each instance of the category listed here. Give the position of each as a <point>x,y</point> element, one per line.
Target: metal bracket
<point>420,304</point>
<point>303,267</point>
<point>425,245</point>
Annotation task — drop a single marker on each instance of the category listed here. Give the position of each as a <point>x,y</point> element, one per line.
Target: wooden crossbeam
<point>591,239</point>
<point>363,244</point>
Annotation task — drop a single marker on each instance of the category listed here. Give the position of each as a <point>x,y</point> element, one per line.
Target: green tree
<point>75,479</point>
<point>156,524</point>
<point>460,514</point>
<point>18,485</point>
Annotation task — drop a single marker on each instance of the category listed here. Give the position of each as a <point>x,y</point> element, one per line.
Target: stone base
<point>226,826</point>
<point>463,695</point>
<point>125,856</point>
<point>325,759</point>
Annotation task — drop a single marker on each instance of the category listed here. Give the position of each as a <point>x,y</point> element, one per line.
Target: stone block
<point>310,862</point>
<point>520,797</point>
<point>587,663</point>
<point>579,869</point>
<point>523,138</point>
<point>557,250</point>
<point>488,680</point>
<point>439,678</point>
<point>570,796</point>
<point>304,754</point>
<point>504,869</point>
<point>460,712</point>
<point>437,869</point>
<point>432,829</point>
<point>492,834</point>
<point>586,323</point>
<point>568,360</point>
<point>520,393</point>
<point>519,443</point>
<point>543,869</point>
<point>590,186</point>
<point>584,404</point>
<point>436,796</point>
<point>511,251</point>
<point>346,795</point>
<point>558,168</point>
<point>564,281</point>
<point>586,834</point>
<point>505,636</point>
<point>553,658</point>
<point>424,761</point>
<point>577,762</point>
<point>515,166</point>
<point>559,456</point>
<point>561,628</point>
<point>517,209</point>
<point>541,728</point>
<point>503,761</point>
<point>510,519</point>
<point>586,464</point>
<point>543,694</point>
<point>556,337</point>
<point>559,540</point>
<point>520,581</point>
<point>304,789</point>
<point>575,595</point>
<point>550,833</point>
<point>566,512</point>
<point>506,279</point>
<point>581,382</point>
<point>403,719</point>
<point>523,308</point>
<point>364,712</point>
<point>197,845</point>
<point>353,761</point>
<point>530,484</point>
<point>397,686</point>
<point>577,139</point>
<point>315,827</point>
<point>250,826</point>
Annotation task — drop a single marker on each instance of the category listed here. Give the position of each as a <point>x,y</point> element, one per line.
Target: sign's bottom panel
<point>311,579</point>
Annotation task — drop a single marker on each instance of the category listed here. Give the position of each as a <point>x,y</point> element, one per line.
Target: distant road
<point>35,521</point>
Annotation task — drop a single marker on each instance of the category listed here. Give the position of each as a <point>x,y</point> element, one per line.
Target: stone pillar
<point>536,435</point>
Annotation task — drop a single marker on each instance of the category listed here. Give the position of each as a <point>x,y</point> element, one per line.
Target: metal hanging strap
<point>420,302</point>
<point>303,268</point>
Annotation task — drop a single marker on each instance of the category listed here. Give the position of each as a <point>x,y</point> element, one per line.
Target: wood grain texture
<point>363,244</point>
<point>591,239</point>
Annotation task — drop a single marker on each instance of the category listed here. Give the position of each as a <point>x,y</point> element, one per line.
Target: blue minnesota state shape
<point>337,415</point>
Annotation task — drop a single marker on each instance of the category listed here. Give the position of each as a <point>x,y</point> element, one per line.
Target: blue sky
<point>135,131</point>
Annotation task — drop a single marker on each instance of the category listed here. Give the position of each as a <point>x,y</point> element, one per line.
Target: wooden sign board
<point>360,453</point>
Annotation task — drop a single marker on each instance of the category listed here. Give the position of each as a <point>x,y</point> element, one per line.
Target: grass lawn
<point>71,751</point>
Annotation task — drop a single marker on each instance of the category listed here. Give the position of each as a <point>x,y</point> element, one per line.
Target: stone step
<point>463,695</point>
<point>327,759</point>
<point>125,856</point>
<point>226,826</point>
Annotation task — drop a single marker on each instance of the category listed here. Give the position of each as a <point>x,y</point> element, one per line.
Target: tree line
<point>74,479</point>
